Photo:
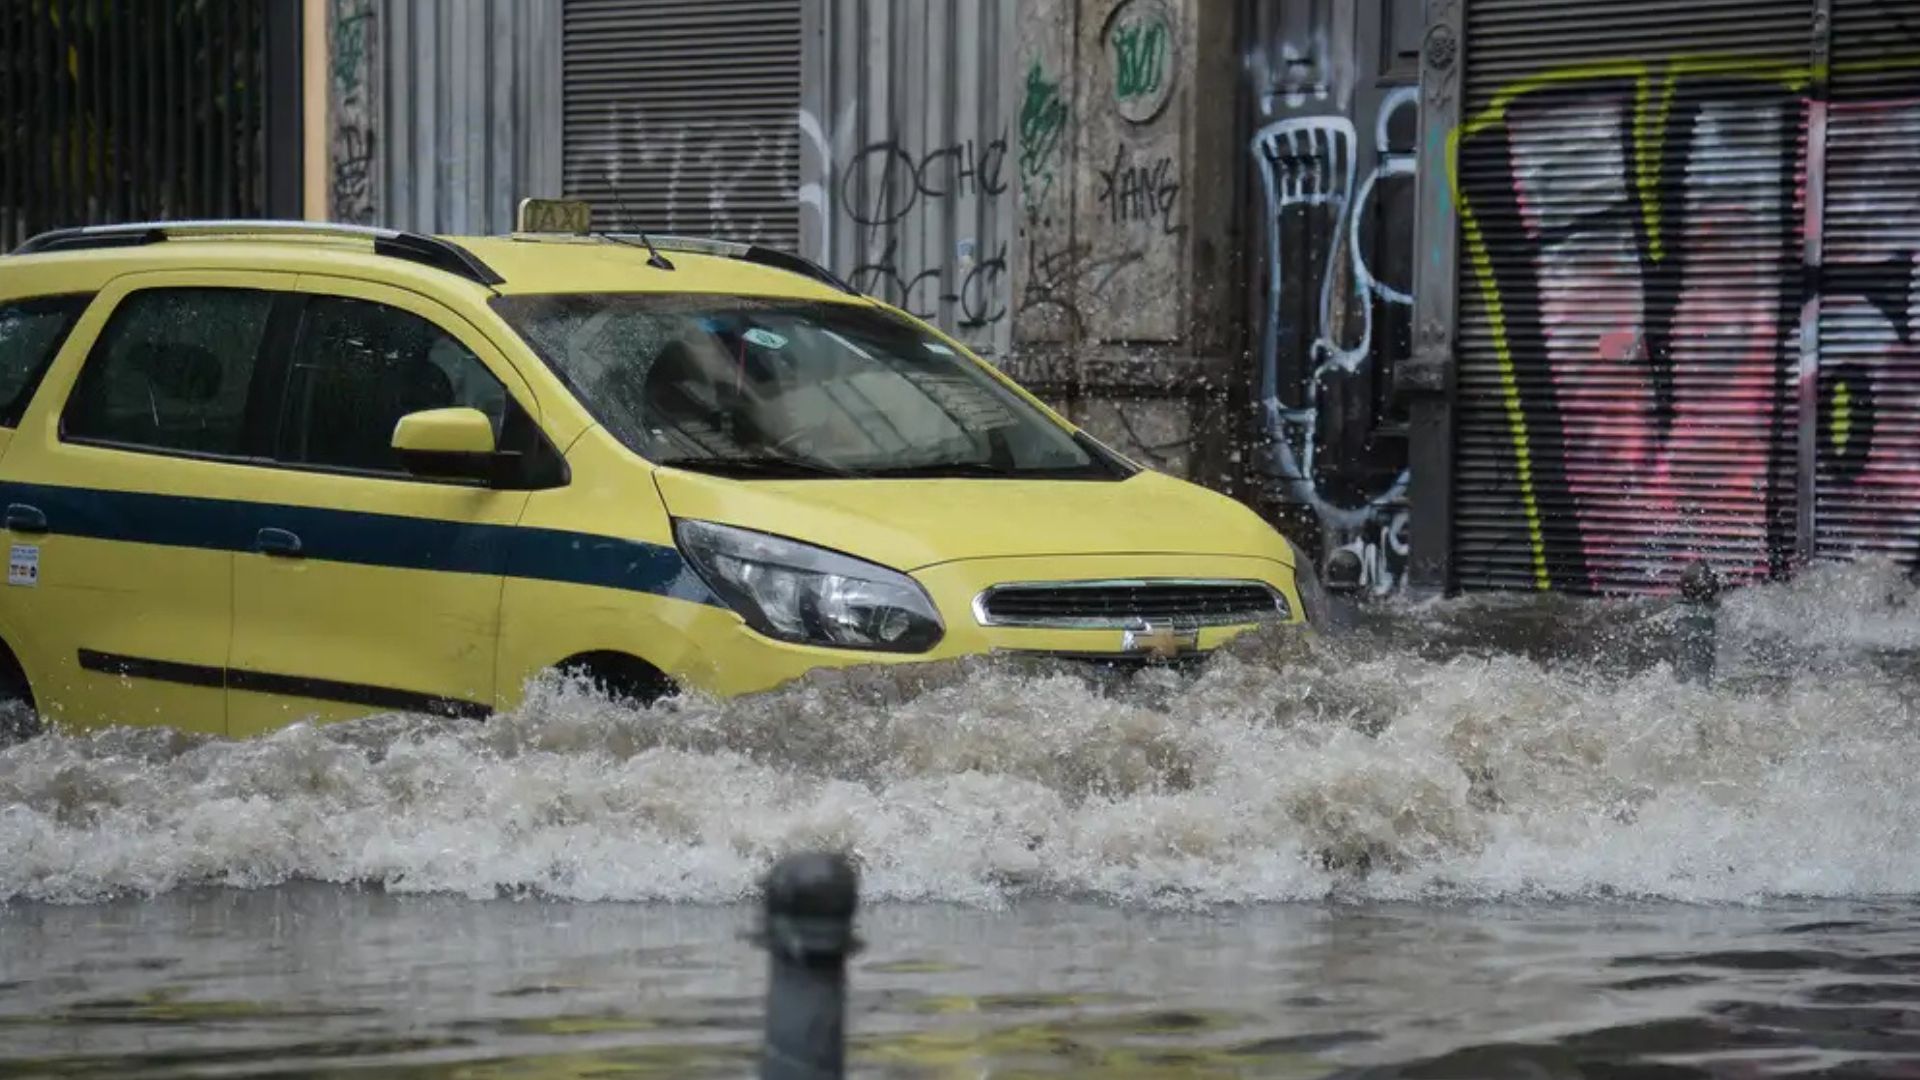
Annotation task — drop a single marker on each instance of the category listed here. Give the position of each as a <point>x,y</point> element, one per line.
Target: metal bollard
<point>810,901</point>
<point>1696,631</point>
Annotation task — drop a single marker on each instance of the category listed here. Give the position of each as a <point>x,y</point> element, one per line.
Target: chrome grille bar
<point>1129,604</point>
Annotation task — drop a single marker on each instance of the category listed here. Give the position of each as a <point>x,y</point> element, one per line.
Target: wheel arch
<point>620,675</point>
<point>13,672</point>
<point>19,709</point>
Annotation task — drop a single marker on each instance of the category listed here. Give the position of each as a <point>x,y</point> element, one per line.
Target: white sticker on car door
<point>23,565</point>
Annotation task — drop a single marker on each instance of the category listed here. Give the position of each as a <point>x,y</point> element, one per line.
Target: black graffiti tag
<point>884,180</point>
<point>353,158</point>
<point>979,292</point>
<point>977,295</point>
<point>1144,191</point>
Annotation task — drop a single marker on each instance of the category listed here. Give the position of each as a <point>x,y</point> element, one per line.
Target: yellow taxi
<point>259,472</point>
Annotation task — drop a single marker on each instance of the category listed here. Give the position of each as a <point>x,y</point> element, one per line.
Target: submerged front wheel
<point>19,720</point>
<point>620,677</point>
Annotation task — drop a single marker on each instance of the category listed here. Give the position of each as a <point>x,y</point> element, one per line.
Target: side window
<point>30,333</point>
<point>172,371</point>
<point>357,368</point>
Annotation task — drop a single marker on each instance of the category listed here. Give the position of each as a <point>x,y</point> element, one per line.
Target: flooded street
<point>313,978</point>
<point>1491,837</point>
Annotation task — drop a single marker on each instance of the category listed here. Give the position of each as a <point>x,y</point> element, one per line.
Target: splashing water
<point>1486,748</point>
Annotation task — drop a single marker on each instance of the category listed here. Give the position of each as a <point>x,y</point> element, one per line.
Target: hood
<point>910,524</point>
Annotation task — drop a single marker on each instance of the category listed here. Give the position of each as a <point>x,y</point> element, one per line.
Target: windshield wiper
<point>987,470</point>
<point>763,465</point>
<point>957,469</point>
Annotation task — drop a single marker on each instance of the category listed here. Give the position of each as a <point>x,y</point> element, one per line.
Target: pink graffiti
<point>1668,320</point>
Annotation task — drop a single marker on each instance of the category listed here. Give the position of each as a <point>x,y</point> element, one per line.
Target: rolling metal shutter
<point>682,116</point>
<point>1868,449</point>
<point>1630,282</point>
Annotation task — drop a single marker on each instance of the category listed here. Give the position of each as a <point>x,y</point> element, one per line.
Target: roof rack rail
<point>753,253</point>
<point>394,243</point>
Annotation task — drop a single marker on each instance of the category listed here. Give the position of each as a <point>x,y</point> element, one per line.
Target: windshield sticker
<point>937,349</point>
<point>23,565</point>
<point>766,339</point>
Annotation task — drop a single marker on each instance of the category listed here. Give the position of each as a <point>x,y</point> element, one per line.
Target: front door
<point>369,589</point>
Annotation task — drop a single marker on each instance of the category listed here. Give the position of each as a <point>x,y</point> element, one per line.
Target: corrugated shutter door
<point>682,116</point>
<point>1630,281</point>
<point>1868,493</point>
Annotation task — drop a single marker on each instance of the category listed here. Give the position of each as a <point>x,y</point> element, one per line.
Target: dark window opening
<point>172,372</point>
<point>31,333</point>
<point>358,368</point>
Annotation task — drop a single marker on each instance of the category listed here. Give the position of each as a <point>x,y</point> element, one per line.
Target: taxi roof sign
<point>571,216</point>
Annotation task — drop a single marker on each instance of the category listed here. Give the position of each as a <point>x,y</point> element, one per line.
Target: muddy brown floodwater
<point>1481,838</point>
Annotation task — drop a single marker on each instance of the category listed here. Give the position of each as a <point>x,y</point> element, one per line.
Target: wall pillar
<point>1123,277</point>
<point>314,115</point>
<point>1428,377</point>
<point>353,114</point>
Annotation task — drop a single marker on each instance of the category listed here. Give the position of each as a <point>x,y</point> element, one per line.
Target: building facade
<point>114,110</point>
<point>1462,294</point>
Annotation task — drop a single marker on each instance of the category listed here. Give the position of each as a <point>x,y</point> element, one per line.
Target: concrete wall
<point>1124,291</point>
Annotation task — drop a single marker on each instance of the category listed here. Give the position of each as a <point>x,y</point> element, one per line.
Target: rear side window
<point>30,333</point>
<point>358,368</point>
<point>172,372</point>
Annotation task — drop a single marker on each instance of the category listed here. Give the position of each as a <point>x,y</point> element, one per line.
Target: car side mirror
<point>454,444</point>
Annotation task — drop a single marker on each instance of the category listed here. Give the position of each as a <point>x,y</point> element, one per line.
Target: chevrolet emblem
<point>1159,642</point>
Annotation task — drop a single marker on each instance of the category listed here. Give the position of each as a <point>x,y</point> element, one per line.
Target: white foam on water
<point>1425,760</point>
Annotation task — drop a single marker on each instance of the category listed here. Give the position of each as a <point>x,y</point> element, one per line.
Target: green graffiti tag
<point>1141,42</point>
<point>1043,123</point>
<point>352,25</point>
<point>1140,58</point>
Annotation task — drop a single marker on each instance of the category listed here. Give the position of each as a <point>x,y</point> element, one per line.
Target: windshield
<point>774,387</point>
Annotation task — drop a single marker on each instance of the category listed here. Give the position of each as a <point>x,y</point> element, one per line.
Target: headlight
<point>801,593</point>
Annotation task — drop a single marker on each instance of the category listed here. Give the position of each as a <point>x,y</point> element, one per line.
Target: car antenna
<point>654,258</point>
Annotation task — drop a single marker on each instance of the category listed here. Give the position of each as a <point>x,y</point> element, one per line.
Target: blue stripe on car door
<point>368,539</point>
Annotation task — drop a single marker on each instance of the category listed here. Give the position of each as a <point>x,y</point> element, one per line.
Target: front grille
<point>1082,605</point>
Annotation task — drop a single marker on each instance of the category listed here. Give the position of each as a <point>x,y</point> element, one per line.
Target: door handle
<point>22,518</point>
<point>277,542</point>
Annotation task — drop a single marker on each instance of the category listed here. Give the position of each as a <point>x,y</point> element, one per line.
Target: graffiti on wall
<point>1141,37</point>
<point>1661,294</point>
<point>915,221</point>
<point>352,176</point>
<point>724,178</point>
<point>1067,280</point>
<point>1102,223</point>
<point>1043,129</point>
<point>1136,188</point>
<point>1049,263</point>
<point>886,183</point>
<point>1336,206</point>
